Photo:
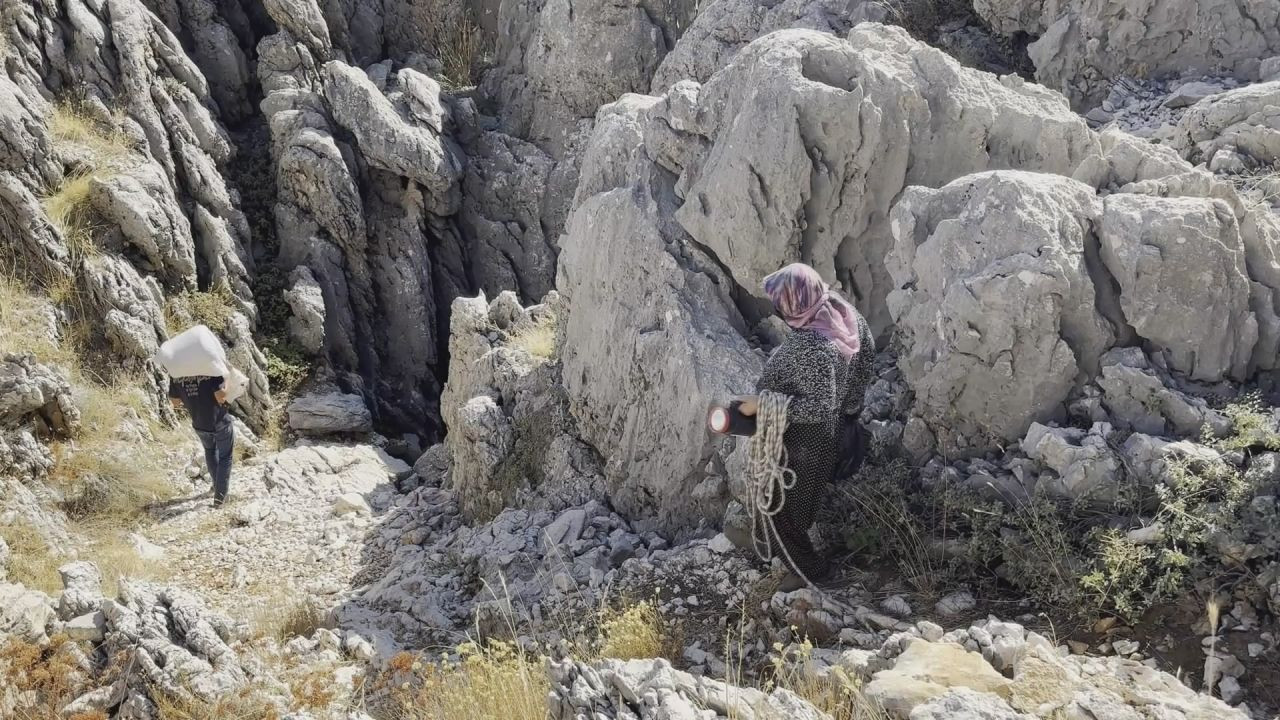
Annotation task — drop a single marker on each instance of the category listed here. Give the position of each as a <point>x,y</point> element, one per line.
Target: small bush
<point>51,673</point>
<point>636,632</point>
<point>833,691</point>
<point>70,211</point>
<point>495,681</point>
<point>285,617</point>
<point>455,39</point>
<point>249,703</point>
<point>1251,427</point>
<point>213,309</point>
<point>71,124</point>
<point>537,338</point>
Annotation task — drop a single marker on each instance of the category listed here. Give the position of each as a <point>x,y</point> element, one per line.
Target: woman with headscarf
<point>823,368</point>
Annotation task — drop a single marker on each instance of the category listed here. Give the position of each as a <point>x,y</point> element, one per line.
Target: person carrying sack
<point>203,383</point>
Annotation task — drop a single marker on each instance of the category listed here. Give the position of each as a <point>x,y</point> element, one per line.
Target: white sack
<point>194,352</point>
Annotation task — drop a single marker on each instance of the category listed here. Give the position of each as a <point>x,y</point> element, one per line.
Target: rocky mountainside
<point>485,264</point>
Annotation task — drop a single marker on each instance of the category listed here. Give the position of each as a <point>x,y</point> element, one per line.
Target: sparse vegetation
<point>32,563</point>
<point>100,149</point>
<point>457,41</point>
<point>495,681</point>
<point>1068,557</point>
<point>538,338</point>
<point>212,308</point>
<point>635,632</point>
<point>249,703</point>
<point>831,691</point>
<point>287,615</point>
<point>51,673</point>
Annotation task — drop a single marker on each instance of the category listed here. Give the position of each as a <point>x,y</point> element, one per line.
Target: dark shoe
<point>219,502</point>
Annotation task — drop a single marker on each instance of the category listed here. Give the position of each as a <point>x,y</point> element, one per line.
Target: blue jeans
<point>217,455</point>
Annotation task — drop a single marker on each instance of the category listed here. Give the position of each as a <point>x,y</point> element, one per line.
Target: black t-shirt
<point>196,393</point>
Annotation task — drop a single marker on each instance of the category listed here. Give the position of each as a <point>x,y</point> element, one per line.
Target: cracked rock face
<point>998,321</point>
<point>1082,45</point>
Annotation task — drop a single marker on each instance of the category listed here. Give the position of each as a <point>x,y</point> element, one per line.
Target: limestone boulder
<point>1087,469</point>
<point>1244,123</point>
<point>325,413</point>
<point>29,389</point>
<point>806,162</point>
<point>1184,286</point>
<point>996,305</point>
<point>925,671</point>
<point>1082,45</point>
<point>25,614</point>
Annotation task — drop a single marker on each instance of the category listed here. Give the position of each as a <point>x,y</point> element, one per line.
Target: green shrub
<point>213,308</point>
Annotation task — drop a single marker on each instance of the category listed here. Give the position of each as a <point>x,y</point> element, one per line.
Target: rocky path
<point>294,530</point>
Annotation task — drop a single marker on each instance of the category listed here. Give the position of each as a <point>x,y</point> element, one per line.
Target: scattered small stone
<point>930,631</point>
<point>1125,647</point>
<point>721,544</point>
<point>351,503</point>
<point>1230,690</point>
<point>1256,649</point>
<point>896,606</point>
<point>956,603</point>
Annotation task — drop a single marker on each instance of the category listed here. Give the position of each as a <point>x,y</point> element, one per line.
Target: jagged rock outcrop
<point>1082,45</point>
<point>511,440</point>
<point>1009,319</point>
<point>367,218</point>
<point>723,27</point>
<point>329,411</point>
<point>812,177</point>
<point>1233,131</point>
<point>106,96</point>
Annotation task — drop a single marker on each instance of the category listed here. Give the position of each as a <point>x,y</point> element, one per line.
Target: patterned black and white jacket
<point>823,386</point>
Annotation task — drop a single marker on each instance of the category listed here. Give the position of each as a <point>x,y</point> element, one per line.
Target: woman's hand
<point>750,404</point>
<point>220,396</point>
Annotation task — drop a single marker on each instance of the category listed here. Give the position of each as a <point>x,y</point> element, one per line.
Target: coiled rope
<point>769,478</point>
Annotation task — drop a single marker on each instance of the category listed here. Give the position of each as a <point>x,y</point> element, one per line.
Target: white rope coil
<point>769,478</point>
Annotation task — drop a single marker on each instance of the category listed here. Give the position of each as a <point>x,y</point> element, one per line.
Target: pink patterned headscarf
<point>807,303</point>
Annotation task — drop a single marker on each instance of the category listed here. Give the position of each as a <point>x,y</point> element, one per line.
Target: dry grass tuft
<point>832,691</point>
<point>287,615</point>
<point>634,633</point>
<point>537,338</point>
<point>32,563</point>
<point>249,703</point>
<point>70,124</point>
<point>213,309</point>
<point>492,682</point>
<point>101,148</point>
<point>51,674</point>
<point>456,40</point>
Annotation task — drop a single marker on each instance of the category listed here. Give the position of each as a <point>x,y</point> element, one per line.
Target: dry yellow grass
<point>490,682</point>
<point>285,615</point>
<point>33,563</point>
<point>212,309</point>
<point>101,148</point>
<point>834,692</point>
<point>72,125</point>
<point>635,632</point>
<point>249,703</point>
<point>50,673</point>
<point>537,338</point>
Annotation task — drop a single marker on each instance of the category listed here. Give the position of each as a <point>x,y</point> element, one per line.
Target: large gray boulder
<point>996,308</point>
<point>29,389</point>
<point>1234,130</point>
<point>723,27</point>
<point>1180,267</point>
<point>25,614</point>
<point>806,162</point>
<point>328,412</point>
<point>1082,45</point>
<point>652,336</point>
